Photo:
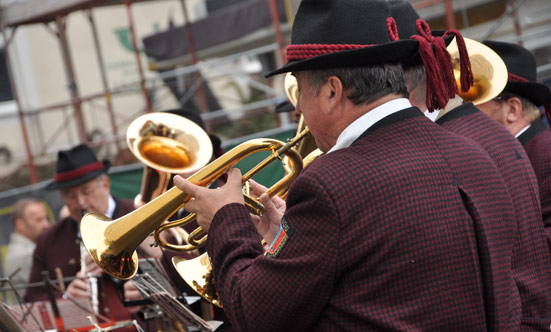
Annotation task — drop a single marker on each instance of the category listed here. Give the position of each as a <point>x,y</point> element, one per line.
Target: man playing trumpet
<point>390,229</point>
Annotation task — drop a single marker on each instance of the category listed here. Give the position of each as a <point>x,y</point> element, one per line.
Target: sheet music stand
<point>171,306</point>
<point>7,321</point>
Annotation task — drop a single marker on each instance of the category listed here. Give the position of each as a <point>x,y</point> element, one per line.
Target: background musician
<point>517,109</point>
<point>84,187</point>
<point>376,232</point>
<point>531,262</point>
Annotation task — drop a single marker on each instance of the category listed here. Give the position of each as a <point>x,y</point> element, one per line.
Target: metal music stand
<point>171,306</point>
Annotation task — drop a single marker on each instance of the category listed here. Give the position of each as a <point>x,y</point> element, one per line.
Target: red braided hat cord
<point>516,78</point>
<point>307,51</point>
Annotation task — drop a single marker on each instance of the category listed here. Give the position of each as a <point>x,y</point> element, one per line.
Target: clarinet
<point>92,281</point>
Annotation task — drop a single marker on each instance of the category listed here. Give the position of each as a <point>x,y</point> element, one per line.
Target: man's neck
<point>516,126</point>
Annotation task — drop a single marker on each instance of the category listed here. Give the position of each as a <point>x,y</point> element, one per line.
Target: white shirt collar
<point>432,115</point>
<point>110,207</point>
<point>523,130</point>
<point>360,125</point>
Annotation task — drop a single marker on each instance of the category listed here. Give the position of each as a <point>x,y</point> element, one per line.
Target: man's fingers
<point>191,206</point>
<point>266,200</point>
<point>186,186</point>
<point>257,188</point>
<point>234,177</point>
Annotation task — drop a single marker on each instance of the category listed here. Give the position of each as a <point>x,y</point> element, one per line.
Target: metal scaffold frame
<point>55,19</point>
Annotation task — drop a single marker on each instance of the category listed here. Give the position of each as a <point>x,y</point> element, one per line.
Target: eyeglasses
<point>71,195</point>
<point>502,98</point>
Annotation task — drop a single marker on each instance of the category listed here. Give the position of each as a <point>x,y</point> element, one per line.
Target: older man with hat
<point>517,109</point>
<point>84,186</point>
<point>399,226</point>
<point>531,262</point>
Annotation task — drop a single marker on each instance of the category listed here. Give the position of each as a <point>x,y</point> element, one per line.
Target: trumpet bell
<point>169,143</point>
<point>121,263</point>
<point>489,71</point>
<point>197,273</point>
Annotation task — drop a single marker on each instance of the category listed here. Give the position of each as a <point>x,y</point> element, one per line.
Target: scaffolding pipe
<point>30,160</point>
<point>106,90</point>
<point>127,4</point>
<point>450,16</point>
<point>203,107</point>
<point>73,88</point>
<point>516,21</point>
<point>277,29</point>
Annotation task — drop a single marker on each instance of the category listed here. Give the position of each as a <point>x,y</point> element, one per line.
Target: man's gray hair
<point>416,81</point>
<point>530,112</point>
<point>362,84</point>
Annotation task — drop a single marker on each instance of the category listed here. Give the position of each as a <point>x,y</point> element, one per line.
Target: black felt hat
<point>337,33</point>
<point>76,166</point>
<point>522,69</point>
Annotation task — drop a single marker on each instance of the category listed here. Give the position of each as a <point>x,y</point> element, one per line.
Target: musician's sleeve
<point>286,289</point>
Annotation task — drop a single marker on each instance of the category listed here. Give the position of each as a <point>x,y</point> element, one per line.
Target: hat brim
<point>53,185</point>
<point>537,93</point>
<point>392,52</point>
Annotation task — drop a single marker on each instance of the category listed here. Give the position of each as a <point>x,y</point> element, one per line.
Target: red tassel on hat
<point>436,69</point>
<point>442,57</point>
<point>466,77</point>
<point>445,61</point>
<point>435,96</point>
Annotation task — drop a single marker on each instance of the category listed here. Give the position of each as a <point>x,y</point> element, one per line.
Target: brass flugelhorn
<point>489,71</point>
<point>167,144</point>
<point>112,243</point>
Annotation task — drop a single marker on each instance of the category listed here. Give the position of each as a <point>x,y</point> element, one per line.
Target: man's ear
<point>514,111</point>
<point>106,181</point>
<point>335,91</point>
<point>19,225</point>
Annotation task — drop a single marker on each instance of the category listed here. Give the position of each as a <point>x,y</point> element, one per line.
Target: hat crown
<point>519,61</point>
<point>74,158</point>
<point>341,22</point>
<point>406,18</point>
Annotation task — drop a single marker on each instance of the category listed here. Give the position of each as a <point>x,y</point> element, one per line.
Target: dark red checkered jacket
<point>537,143</point>
<point>531,260</point>
<point>408,229</point>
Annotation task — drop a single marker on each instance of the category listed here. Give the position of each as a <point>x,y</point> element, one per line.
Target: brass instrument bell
<point>489,71</point>
<point>167,144</point>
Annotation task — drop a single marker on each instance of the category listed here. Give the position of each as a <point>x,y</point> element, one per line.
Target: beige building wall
<point>42,79</point>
